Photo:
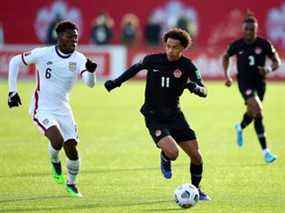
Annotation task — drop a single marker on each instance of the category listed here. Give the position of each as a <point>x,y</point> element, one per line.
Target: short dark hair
<point>178,34</point>
<point>250,17</point>
<point>64,26</point>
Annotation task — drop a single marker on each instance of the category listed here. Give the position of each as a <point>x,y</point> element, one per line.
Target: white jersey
<point>56,75</point>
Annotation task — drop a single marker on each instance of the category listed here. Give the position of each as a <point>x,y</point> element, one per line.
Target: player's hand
<point>229,81</point>
<point>110,85</point>
<point>263,70</point>
<point>14,100</point>
<point>196,89</point>
<point>90,66</point>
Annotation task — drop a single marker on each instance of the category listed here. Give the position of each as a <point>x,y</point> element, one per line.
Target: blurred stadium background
<point>120,167</point>
<point>118,35</point>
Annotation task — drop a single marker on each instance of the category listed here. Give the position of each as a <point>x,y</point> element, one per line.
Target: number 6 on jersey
<point>48,73</point>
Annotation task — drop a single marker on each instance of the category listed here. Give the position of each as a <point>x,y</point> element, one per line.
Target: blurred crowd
<point>132,32</point>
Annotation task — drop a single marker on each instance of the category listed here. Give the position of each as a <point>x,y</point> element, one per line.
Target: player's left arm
<point>88,73</point>
<point>274,57</point>
<point>195,83</point>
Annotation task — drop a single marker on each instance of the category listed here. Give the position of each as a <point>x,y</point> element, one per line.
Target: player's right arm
<point>23,59</point>
<point>129,73</point>
<point>226,62</point>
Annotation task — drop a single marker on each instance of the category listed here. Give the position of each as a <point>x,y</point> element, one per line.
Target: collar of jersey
<point>60,54</point>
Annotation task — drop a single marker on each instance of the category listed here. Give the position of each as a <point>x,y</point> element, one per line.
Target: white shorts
<point>65,123</point>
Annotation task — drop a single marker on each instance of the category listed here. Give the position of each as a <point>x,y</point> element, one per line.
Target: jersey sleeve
<point>194,73</point>
<point>232,49</point>
<point>81,64</point>
<point>145,62</point>
<point>31,57</point>
<point>269,49</point>
<point>133,70</point>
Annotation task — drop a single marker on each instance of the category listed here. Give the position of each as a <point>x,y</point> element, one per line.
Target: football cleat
<point>73,190</point>
<point>239,135</point>
<point>57,173</point>
<point>269,157</point>
<point>165,167</point>
<point>203,196</point>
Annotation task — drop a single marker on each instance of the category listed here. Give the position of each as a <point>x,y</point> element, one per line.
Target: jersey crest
<point>258,50</point>
<point>72,66</point>
<point>177,73</point>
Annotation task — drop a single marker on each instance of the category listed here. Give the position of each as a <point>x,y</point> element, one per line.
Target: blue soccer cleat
<point>165,167</point>
<point>269,157</point>
<point>239,135</point>
<point>203,196</point>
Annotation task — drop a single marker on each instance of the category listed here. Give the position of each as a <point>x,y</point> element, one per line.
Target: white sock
<point>72,170</point>
<point>265,151</point>
<point>53,154</point>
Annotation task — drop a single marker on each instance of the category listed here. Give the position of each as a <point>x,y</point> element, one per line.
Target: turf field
<point>120,166</point>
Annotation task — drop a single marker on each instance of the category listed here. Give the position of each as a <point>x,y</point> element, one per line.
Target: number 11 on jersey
<point>165,82</point>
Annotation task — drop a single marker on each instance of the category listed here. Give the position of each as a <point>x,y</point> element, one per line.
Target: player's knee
<point>55,138</point>
<point>259,115</point>
<point>57,142</point>
<point>172,154</point>
<point>71,150</point>
<point>253,110</point>
<point>196,158</point>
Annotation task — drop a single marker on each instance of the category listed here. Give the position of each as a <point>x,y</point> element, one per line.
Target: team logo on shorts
<point>248,92</point>
<point>177,73</point>
<point>258,50</point>
<point>157,133</point>
<point>72,66</point>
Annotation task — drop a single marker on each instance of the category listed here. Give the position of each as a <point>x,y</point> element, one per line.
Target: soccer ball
<point>186,195</point>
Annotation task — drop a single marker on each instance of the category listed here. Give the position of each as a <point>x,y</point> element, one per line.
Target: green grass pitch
<point>120,164</point>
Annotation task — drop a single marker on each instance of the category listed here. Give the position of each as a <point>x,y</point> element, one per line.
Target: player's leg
<point>169,152</point>
<point>247,92</point>
<point>54,147</point>
<point>70,136</point>
<point>165,142</point>
<point>187,140</point>
<point>191,148</point>
<point>47,124</point>
<point>259,125</point>
<point>73,165</point>
<point>246,119</point>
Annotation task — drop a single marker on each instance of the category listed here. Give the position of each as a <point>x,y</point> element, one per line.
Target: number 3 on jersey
<point>48,73</point>
<point>165,82</point>
<point>251,60</point>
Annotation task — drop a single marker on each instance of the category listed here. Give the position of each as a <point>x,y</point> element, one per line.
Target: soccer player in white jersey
<point>57,69</point>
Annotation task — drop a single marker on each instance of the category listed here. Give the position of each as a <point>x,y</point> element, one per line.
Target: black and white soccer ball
<point>186,195</point>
